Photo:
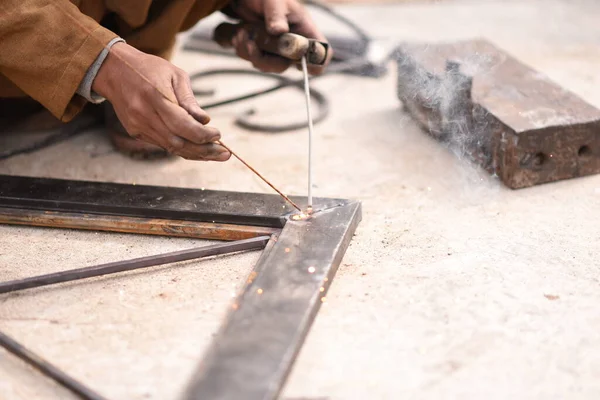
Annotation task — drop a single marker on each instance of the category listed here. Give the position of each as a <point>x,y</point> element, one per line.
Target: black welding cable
<point>284,82</point>
<point>352,63</point>
<point>334,69</point>
<point>244,120</point>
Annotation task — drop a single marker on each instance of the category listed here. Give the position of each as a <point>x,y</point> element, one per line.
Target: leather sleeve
<point>46,48</point>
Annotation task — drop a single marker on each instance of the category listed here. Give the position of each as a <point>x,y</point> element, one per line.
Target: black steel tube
<point>136,263</point>
<point>48,369</point>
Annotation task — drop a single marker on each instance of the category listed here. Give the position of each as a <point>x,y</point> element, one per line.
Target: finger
<point>186,99</point>
<point>240,43</point>
<point>302,24</point>
<point>205,152</point>
<point>276,16</point>
<point>241,12</point>
<point>149,128</point>
<point>266,62</point>
<point>180,123</point>
<point>317,69</point>
<point>187,137</point>
<point>178,146</point>
<point>158,134</point>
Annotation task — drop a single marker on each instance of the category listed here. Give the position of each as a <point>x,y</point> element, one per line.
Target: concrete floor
<point>454,287</point>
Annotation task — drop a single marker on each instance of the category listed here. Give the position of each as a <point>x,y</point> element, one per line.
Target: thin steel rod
<point>136,263</point>
<point>48,369</point>
<point>310,131</point>
<point>261,177</point>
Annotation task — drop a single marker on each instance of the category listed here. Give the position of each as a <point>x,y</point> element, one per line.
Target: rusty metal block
<point>507,117</point>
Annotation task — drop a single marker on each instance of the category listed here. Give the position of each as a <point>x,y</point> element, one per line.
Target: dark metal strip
<point>149,201</point>
<point>136,263</point>
<point>48,369</point>
<point>256,347</point>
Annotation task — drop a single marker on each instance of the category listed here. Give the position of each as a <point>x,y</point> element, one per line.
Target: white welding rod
<point>310,131</point>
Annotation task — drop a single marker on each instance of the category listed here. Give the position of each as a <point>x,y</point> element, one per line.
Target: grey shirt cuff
<point>85,87</point>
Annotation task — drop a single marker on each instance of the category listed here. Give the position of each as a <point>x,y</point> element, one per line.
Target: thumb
<point>186,99</point>
<point>276,12</point>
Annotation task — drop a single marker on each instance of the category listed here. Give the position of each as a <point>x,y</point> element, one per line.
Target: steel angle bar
<point>182,204</point>
<point>133,264</point>
<point>255,349</point>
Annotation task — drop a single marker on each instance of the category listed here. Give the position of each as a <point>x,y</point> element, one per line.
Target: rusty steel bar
<point>48,369</point>
<point>138,225</point>
<point>136,263</point>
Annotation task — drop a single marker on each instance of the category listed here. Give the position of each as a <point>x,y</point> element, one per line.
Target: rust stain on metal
<point>507,117</point>
<point>148,226</point>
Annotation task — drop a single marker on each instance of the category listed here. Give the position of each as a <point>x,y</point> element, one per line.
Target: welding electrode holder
<point>287,45</point>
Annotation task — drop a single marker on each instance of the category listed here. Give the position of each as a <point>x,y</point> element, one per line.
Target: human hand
<point>279,16</point>
<point>155,103</point>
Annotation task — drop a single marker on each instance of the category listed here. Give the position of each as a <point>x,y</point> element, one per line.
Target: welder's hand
<point>279,16</point>
<point>156,104</point>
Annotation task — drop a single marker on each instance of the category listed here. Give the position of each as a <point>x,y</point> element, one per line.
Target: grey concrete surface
<point>454,287</point>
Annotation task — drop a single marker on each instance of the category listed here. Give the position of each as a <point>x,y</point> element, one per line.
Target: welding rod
<point>48,369</point>
<point>310,131</point>
<point>136,263</point>
<point>260,176</point>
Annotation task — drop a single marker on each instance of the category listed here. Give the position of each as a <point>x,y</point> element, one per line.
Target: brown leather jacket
<point>47,46</point>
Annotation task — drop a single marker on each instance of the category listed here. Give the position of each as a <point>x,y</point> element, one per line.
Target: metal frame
<point>254,351</point>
